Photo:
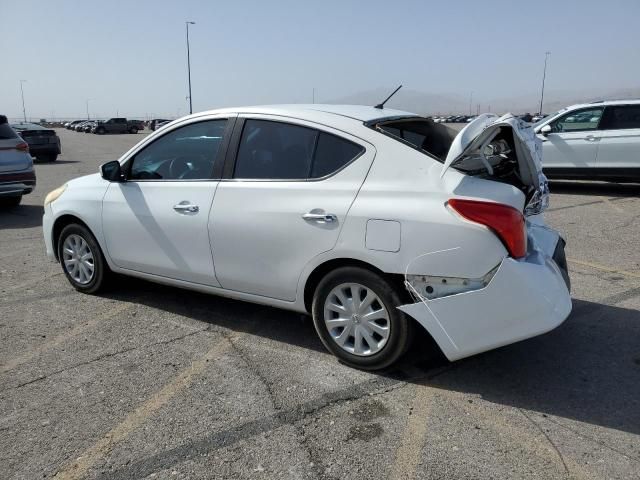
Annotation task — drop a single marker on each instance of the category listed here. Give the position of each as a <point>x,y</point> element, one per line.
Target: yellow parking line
<point>55,341</point>
<point>409,453</point>
<point>79,467</point>
<point>604,268</point>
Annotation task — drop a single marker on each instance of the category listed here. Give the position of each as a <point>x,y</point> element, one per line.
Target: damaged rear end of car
<point>492,172</point>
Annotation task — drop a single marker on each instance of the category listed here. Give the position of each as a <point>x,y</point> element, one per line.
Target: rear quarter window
<point>333,153</point>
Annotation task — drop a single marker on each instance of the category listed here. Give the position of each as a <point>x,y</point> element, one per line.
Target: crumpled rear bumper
<point>525,298</point>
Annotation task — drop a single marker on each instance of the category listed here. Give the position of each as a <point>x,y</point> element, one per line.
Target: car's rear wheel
<point>81,258</point>
<point>133,130</point>
<point>100,131</point>
<point>354,312</point>
<point>11,201</point>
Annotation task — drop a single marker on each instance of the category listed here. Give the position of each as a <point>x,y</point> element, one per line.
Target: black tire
<point>133,130</point>
<point>49,157</point>
<point>400,335</point>
<point>101,270</point>
<point>10,201</point>
<point>100,131</point>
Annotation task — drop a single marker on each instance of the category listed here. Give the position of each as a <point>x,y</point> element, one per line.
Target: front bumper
<point>47,230</point>
<point>525,298</point>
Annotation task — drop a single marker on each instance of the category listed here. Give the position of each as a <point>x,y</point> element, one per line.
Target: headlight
<point>54,194</point>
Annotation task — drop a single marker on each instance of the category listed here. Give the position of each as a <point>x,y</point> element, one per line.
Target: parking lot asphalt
<point>147,381</point>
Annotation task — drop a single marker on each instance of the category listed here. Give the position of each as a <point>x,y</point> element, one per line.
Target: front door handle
<point>320,217</point>
<point>590,138</point>
<point>186,207</point>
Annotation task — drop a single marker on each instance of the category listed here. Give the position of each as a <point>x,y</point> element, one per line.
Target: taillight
<point>23,147</point>
<point>505,221</point>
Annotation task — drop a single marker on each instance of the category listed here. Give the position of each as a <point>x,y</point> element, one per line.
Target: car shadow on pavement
<point>588,369</point>
<point>595,188</point>
<point>22,216</point>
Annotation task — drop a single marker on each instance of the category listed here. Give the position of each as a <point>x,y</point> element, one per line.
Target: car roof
<point>361,113</point>
<point>27,126</point>
<point>596,103</point>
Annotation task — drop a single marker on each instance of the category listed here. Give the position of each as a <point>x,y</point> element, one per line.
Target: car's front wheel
<point>81,258</point>
<point>354,312</point>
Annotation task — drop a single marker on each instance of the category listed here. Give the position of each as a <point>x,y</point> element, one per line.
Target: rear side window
<point>333,153</point>
<point>281,151</point>
<point>622,117</point>
<point>6,132</point>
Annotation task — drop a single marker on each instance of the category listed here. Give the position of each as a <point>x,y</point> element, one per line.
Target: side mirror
<point>546,130</point>
<point>112,171</point>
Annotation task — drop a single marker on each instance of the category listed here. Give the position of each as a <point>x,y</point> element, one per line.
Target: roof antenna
<point>381,105</point>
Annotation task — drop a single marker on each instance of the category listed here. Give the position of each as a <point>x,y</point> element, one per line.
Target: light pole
<point>544,76</point>
<point>470,102</point>
<point>24,113</point>
<point>88,108</point>
<point>189,66</point>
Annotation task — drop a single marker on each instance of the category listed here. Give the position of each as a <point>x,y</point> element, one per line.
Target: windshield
<point>548,117</point>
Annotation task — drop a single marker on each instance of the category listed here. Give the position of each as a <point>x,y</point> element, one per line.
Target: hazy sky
<point>129,57</point>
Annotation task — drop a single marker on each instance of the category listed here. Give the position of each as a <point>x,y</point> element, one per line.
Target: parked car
<point>374,221</point>
<point>71,125</point>
<point>162,124</point>
<point>116,125</point>
<point>79,127</point>
<point>44,143</point>
<point>87,127</point>
<point>17,177</point>
<point>599,140</point>
<point>154,123</point>
<point>139,124</point>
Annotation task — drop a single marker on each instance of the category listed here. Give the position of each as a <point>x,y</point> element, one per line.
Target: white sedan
<point>374,221</point>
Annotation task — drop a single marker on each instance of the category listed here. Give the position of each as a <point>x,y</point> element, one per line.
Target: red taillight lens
<point>23,147</point>
<point>505,221</point>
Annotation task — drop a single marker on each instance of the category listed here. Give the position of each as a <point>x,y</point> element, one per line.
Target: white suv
<point>374,221</point>
<point>599,140</point>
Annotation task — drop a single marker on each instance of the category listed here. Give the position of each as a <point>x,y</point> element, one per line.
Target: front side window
<point>578,121</point>
<point>186,153</point>
<point>621,117</point>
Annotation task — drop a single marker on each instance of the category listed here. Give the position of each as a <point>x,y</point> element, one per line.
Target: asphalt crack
<point>553,445</point>
<point>106,355</point>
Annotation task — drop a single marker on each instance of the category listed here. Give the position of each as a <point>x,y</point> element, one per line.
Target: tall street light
<point>24,113</point>
<point>88,108</point>
<point>189,65</point>
<point>544,76</point>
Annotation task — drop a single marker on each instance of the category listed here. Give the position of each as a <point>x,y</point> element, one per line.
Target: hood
<point>471,143</point>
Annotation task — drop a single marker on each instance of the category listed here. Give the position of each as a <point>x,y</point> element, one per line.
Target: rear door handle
<point>186,207</point>
<point>320,217</point>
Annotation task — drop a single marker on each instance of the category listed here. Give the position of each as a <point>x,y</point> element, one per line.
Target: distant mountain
<point>449,103</point>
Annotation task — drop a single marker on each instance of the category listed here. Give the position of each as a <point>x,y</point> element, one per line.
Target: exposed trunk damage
<point>503,149</point>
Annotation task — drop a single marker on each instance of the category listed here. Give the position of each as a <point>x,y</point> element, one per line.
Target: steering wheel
<point>179,166</point>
